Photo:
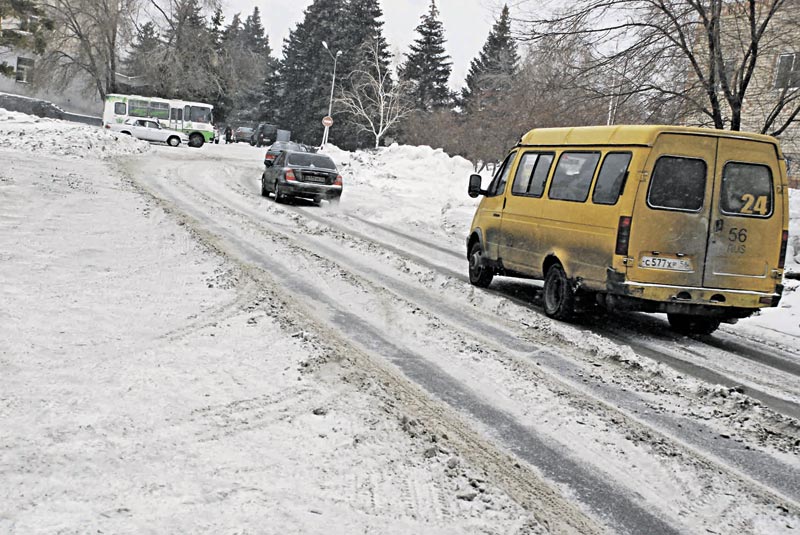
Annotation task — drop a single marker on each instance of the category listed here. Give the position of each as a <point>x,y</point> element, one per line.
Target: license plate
<point>317,179</point>
<point>660,262</point>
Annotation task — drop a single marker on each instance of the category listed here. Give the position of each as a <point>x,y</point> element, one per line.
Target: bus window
<point>746,190</point>
<point>159,110</point>
<point>573,176</point>
<point>198,114</point>
<point>678,184</point>
<point>120,108</point>
<point>611,178</point>
<point>138,108</point>
<point>176,114</point>
<point>498,185</point>
<point>532,174</point>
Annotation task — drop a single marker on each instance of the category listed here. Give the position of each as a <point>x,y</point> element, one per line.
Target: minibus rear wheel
<point>689,324</point>
<point>480,274</point>
<point>559,298</point>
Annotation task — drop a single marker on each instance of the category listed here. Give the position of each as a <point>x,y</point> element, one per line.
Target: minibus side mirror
<point>474,188</point>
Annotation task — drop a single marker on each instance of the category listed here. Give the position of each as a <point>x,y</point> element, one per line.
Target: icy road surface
<point>180,354</point>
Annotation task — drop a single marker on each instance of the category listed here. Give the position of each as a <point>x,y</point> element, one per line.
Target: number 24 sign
<point>753,204</point>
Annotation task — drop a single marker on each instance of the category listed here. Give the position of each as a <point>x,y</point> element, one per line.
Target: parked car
<point>264,134</point>
<point>242,133</point>
<point>302,174</point>
<point>149,130</point>
<point>279,146</point>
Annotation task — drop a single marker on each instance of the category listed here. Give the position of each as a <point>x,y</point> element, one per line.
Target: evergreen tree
<point>144,58</point>
<point>492,70</point>
<point>427,66</point>
<point>27,31</point>
<point>307,68</point>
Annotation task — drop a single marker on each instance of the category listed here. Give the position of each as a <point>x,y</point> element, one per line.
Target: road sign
<point>327,121</point>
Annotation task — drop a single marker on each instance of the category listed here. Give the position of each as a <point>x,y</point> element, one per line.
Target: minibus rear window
<point>611,178</point>
<point>678,184</point>
<point>573,176</point>
<point>746,190</point>
<point>532,174</point>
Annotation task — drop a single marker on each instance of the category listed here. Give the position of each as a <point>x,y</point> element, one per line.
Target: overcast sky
<point>466,24</point>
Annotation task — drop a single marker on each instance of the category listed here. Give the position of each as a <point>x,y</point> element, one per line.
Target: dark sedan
<point>302,174</point>
<point>279,146</point>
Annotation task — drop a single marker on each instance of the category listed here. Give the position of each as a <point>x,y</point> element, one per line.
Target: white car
<point>149,130</point>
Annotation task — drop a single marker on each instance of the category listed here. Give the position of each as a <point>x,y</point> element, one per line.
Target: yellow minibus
<point>691,222</point>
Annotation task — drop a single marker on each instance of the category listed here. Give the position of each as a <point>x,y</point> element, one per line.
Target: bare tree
<point>88,37</point>
<point>374,101</point>
<point>705,57</point>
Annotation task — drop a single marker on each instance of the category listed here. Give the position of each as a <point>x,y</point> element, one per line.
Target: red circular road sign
<point>327,121</point>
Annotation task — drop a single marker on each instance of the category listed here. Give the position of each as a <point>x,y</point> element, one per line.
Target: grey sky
<point>466,24</point>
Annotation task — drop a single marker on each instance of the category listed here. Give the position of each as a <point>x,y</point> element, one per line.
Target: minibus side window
<point>573,176</point>
<point>532,174</point>
<point>611,178</point>
<point>746,190</point>
<point>678,184</point>
<point>498,184</point>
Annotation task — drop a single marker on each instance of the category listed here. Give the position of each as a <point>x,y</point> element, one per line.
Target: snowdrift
<point>29,133</point>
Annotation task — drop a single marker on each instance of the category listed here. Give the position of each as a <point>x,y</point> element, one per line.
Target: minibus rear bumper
<point>715,302</point>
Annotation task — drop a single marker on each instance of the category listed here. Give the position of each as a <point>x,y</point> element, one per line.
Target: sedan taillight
<point>289,175</point>
<point>338,181</point>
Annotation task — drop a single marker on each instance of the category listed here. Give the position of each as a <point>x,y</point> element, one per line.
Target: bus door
<point>746,217</point>
<point>672,212</point>
<point>490,210</point>
<point>176,118</point>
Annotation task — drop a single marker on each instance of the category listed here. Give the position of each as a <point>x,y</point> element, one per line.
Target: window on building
<point>787,73</point>
<point>24,70</point>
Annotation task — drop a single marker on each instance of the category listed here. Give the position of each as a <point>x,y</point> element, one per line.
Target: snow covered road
<point>180,354</point>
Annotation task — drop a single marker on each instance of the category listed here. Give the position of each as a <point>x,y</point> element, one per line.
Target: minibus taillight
<point>782,257</point>
<point>623,235</point>
<point>289,175</point>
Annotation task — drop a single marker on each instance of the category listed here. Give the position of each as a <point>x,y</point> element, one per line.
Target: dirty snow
<point>145,386</point>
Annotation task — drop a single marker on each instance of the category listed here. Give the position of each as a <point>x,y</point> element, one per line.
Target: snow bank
<point>29,133</point>
<point>418,188</point>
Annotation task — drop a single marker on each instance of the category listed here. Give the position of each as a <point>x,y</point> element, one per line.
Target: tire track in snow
<point>332,253</point>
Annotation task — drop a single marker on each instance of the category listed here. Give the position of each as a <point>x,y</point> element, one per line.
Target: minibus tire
<point>559,299</point>
<point>690,324</point>
<point>480,274</point>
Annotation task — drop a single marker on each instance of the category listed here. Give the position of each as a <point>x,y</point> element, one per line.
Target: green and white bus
<point>195,119</point>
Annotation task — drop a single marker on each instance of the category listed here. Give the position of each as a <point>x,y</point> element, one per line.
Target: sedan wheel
<point>277,192</point>
<point>264,192</point>
<point>173,141</point>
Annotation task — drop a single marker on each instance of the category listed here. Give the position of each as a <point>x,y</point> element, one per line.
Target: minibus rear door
<point>670,223</point>
<point>746,218</point>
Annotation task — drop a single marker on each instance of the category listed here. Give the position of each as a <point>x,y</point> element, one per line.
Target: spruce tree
<point>307,68</point>
<point>491,72</point>
<point>28,34</point>
<point>428,65</point>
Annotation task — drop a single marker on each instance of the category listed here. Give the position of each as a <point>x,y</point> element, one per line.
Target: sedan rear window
<point>310,160</point>
<point>678,184</point>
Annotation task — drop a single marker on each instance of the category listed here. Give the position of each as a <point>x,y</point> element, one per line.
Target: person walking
<point>228,134</point>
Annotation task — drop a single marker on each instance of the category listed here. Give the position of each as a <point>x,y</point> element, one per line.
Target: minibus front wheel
<point>690,324</point>
<point>480,274</point>
<point>559,297</point>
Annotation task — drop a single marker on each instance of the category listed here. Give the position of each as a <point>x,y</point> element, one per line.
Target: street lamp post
<point>333,82</point>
